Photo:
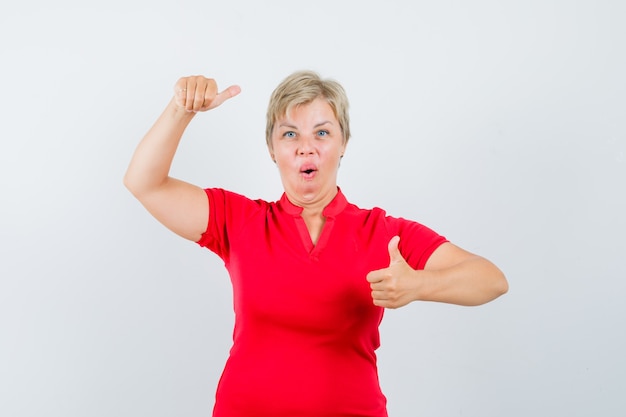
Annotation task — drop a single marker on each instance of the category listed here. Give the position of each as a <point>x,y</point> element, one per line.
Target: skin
<point>308,137</point>
<point>178,205</point>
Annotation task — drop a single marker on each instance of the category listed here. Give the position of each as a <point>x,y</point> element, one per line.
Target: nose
<point>306,146</point>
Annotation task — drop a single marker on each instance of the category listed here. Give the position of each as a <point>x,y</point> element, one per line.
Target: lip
<point>308,171</point>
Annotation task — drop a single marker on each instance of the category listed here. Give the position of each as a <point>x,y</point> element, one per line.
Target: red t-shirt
<point>305,325</point>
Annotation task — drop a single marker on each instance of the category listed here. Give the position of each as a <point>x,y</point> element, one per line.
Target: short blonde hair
<point>302,87</point>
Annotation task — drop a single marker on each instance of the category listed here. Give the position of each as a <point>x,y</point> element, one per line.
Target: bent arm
<point>451,275</point>
<point>178,205</point>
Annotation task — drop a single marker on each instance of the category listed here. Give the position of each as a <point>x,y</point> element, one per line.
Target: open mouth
<point>308,171</point>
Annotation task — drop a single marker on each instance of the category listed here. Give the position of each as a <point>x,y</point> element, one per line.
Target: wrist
<point>423,284</point>
<point>179,113</point>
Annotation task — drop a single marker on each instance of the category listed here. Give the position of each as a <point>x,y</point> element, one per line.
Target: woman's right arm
<point>180,206</point>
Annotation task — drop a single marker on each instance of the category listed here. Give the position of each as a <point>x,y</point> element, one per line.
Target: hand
<point>394,286</point>
<point>198,93</point>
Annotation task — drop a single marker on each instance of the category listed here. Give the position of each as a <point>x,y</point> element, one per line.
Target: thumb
<point>230,92</point>
<point>394,253</point>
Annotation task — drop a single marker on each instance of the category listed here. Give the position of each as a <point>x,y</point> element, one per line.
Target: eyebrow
<point>315,126</point>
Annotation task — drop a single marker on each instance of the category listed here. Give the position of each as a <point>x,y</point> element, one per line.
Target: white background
<point>500,124</point>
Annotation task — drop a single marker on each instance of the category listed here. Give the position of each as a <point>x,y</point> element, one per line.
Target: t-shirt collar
<point>333,208</point>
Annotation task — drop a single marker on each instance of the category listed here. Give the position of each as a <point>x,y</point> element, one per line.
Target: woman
<point>311,273</point>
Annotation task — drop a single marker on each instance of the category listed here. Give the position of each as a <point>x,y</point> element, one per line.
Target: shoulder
<point>356,210</point>
<point>232,209</point>
<point>229,214</point>
<point>396,224</point>
<point>221,196</point>
<point>380,217</point>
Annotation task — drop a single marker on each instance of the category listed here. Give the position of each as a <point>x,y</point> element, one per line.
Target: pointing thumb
<point>394,254</point>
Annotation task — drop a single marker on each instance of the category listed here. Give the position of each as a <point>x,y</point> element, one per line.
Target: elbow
<point>132,184</point>
<point>495,285</point>
<point>141,186</point>
<point>500,285</point>
<point>129,183</point>
<point>126,181</point>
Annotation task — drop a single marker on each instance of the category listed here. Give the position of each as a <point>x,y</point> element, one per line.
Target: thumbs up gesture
<point>198,93</point>
<point>394,286</point>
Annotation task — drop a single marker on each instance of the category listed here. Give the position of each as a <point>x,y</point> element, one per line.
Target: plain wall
<point>500,124</point>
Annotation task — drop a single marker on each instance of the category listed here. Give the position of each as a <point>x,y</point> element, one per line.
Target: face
<point>307,145</point>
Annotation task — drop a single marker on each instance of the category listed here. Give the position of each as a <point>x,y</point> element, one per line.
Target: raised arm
<point>180,206</point>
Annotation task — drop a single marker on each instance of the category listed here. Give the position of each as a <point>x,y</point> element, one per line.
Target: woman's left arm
<point>451,275</point>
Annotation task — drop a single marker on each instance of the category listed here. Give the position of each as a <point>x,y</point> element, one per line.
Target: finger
<point>180,92</point>
<point>394,253</point>
<point>209,97</point>
<point>378,295</point>
<point>380,300</point>
<point>376,276</point>
<point>181,97</point>
<point>227,94</point>
<point>189,92</point>
<point>378,286</point>
<point>201,91</point>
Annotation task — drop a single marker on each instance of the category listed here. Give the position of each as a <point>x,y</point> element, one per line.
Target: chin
<point>307,196</point>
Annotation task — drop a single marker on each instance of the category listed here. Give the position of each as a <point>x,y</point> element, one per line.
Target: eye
<point>323,133</point>
<point>289,134</point>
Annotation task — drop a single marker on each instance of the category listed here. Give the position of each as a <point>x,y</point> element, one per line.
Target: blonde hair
<point>302,87</point>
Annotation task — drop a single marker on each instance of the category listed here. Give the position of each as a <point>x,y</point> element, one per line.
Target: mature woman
<point>311,273</point>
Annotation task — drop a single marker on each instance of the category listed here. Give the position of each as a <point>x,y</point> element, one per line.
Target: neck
<point>313,208</point>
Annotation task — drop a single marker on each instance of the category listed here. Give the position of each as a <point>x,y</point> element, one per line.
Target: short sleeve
<point>417,242</point>
<point>228,213</point>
